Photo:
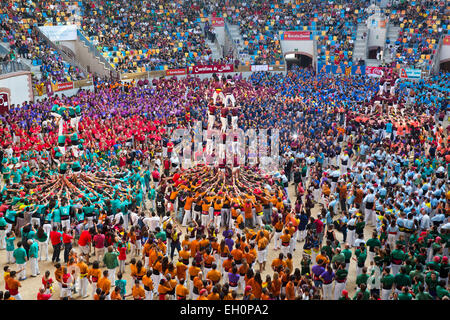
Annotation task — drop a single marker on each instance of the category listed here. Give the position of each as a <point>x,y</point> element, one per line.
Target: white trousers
<point>338,289</point>
<point>234,122</point>
<point>328,291</point>
<point>231,98</point>
<point>34,266</point>
<point>2,239</point>
<point>186,218</point>
<point>83,286</point>
<point>211,120</point>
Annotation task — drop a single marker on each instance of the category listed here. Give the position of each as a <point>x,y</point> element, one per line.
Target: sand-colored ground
<point>30,286</point>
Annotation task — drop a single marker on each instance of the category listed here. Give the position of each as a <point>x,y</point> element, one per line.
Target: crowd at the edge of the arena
<point>176,38</point>
<point>97,179</point>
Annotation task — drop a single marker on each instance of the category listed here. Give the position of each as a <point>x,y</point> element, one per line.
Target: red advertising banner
<point>375,71</point>
<point>4,103</point>
<point>175,72</point>
<point>219,68</point>
<point>296,35</point>
<point>446,41</point>
<point>217,22</point>
<point>63,86</point>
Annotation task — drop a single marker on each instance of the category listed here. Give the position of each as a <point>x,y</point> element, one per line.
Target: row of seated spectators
<point>333,25</point>
<point>147,35</point>
<point>18,27</point>
<point>421,25</point>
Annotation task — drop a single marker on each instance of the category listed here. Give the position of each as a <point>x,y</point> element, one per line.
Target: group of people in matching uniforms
<point>349,192</point>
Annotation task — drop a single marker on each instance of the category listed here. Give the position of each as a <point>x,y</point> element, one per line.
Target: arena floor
<point>30,286</point>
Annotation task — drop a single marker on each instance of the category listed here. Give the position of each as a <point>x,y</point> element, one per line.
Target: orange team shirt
<point>181,270</point>
<point>147,282</point>
<point>237,254</point>
<point>198,283</point>
<point>95,274</point>
<point>289,264</point>
<point>194,271</point>
<point>181,291</point>
<point>290,291</point>
<point>204,243</point>
<point>248,210</point>
<point>213,296</point>
<point>163,289</point>
<point>250,257</point>
<point>242,270</point>
<point>239,220</point>
<point>104,284</point>
<point>208,259</point>
<point>277,262</point>
<point>276,287</point>
<point>262,243</point>
<point>285,239</point>
<point>188,203</point>
<point>115,295</point>
<point>214,276</point>
<point>256,288</point>
<point>138,292</point>
<point>195,246</point>
<point>227,264</point>
<point>224,252</point>
<point>185,243</point>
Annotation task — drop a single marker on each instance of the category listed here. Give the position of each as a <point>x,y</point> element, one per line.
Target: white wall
<point>444,54</point>
<point>377,34</point>
<point>18,86</point>
<point>220,35</point>
<point>305,46</point>
<point>68,44</point>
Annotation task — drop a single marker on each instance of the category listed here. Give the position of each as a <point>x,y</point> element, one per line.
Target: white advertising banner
<point>60,33</point>
<point>259,67</point>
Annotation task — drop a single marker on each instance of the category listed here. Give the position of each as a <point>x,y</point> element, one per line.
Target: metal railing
<point>435,63</point>
<point>65,57</point>
<point>95,52</point>
<point>234,47</point>
<point>12,66</point>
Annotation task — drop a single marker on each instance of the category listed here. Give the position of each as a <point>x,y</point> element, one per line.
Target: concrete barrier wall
<point>18,87</point>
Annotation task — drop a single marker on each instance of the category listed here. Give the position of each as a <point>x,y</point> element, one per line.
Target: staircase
<point>360,47</point>
<point>216,53</point>
<point>35,70</point>
<point>92,59</point>
<point>239,43</point>
<point>391,37</point>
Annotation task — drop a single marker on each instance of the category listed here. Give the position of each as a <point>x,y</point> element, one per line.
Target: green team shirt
<point>405,296</point>
<point>424,296</point>
<point>61,139</point>
<point>387,281</point>
<point>373,243</point>
<point>362,278</point>
<point>341,274</point>
<point>347,254</point>
<point>402,280</point>
<point>361,256</point>
<point>398,255</point>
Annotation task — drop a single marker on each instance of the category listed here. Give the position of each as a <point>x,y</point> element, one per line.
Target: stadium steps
<point>239,42</point>
<point>360,46</point>
<point>391,38</point>
<point>35,70</point>
<point>215,51</point>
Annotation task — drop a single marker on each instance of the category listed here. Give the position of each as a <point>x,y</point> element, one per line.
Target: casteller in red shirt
<point>55,237</point>
<point>43,296</point>
<point>85,238</point>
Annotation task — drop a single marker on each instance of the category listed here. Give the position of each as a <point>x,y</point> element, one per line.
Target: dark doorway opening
<point>298,59</point>
<point>445,66</point>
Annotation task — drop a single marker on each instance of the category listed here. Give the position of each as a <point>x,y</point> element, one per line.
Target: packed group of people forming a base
<point>98,200</point>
